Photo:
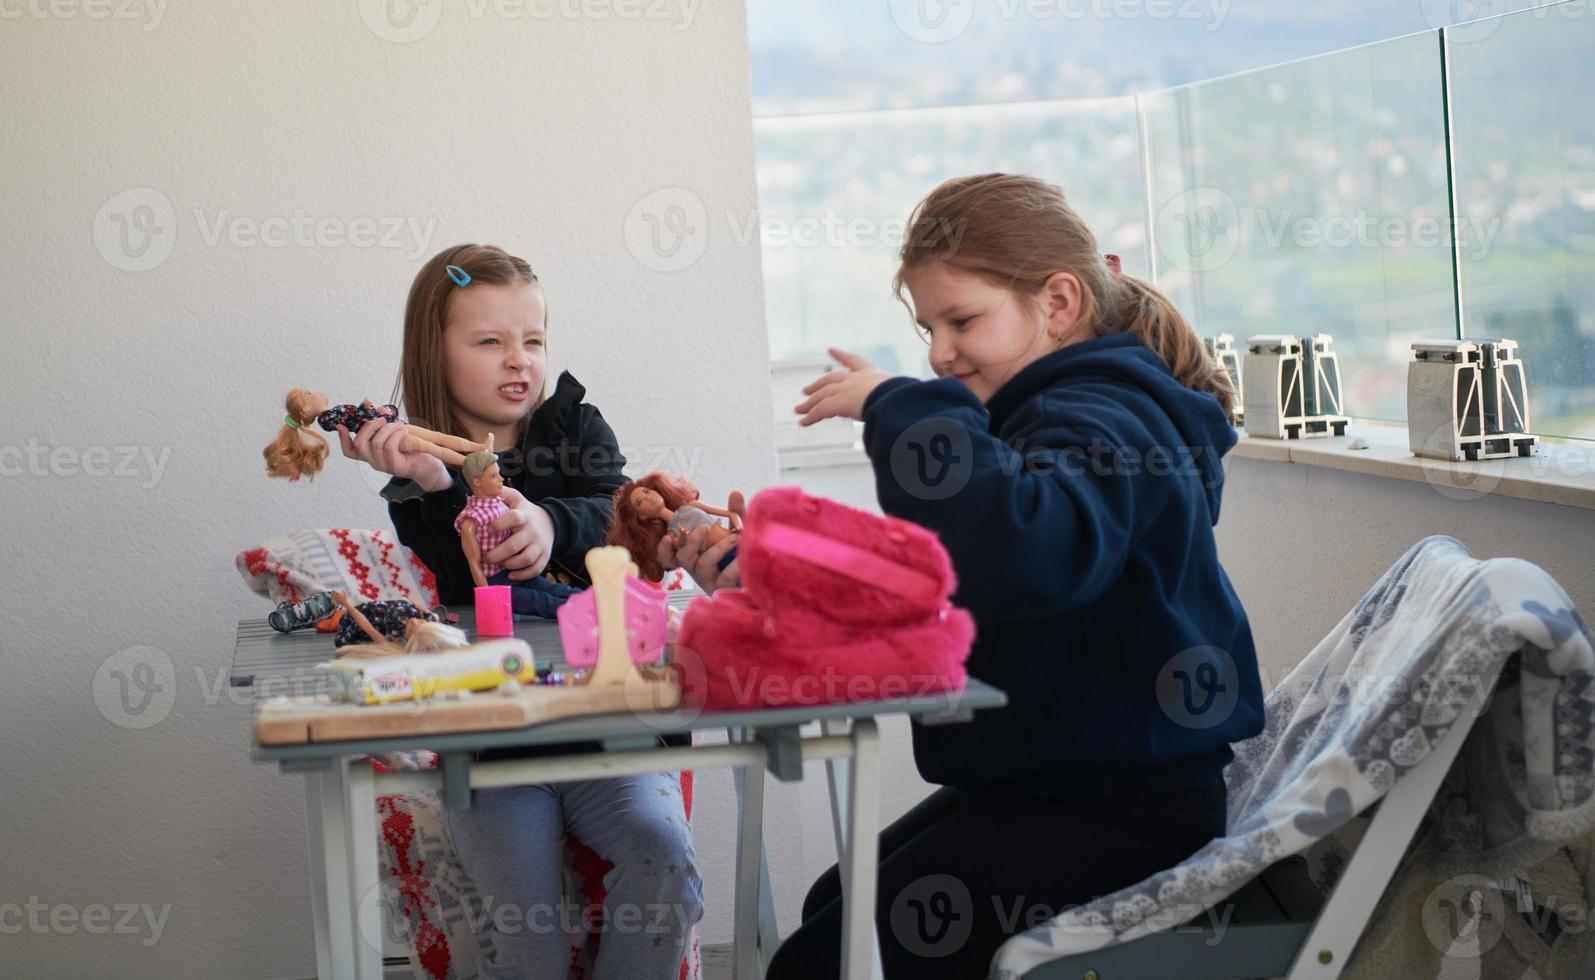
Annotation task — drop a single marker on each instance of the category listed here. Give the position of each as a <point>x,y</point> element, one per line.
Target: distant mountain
<point>840,55</point>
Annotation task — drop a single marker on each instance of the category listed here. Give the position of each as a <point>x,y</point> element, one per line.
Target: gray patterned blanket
<point>1439,631</point>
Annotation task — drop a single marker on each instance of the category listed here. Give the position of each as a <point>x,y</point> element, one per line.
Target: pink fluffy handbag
<point>837,604</point>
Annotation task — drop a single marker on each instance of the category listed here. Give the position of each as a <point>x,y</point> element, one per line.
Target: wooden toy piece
<point>1221,348</point>
<point>1292,387</point>
<point>1467,400</point>
<point>299,450</point>
<point>608,568</point>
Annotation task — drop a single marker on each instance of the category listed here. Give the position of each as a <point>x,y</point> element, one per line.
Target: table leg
<point>327,817</point>
<point>838,777</point>
<point>318,872</point>
<point>747,962</point>
<point>366,910</point>
<point>860,954</point>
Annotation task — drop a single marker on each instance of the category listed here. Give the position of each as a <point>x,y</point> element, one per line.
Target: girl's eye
<point>962,322</point>
<point>535,341</point>
<point>490,340</point>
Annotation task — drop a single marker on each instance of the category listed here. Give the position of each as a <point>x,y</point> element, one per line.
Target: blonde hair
<point>422,388</point>
<point>1016,232</point>
<point>297,450</point>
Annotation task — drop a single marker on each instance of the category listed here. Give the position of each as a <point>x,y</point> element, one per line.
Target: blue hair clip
<point>459,275</point>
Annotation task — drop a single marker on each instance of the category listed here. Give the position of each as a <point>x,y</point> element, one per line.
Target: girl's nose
<point>941,353</point>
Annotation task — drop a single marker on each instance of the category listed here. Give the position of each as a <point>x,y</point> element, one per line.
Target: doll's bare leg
<point>415,444</point>
<point>455,443</point>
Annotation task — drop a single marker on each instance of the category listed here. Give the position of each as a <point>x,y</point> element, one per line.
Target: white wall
<point>556,138</point>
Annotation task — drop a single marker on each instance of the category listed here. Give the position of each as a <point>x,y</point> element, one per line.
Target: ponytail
<point>1148,314</point>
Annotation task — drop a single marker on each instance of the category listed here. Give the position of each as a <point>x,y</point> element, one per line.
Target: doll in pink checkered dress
<point>534,597</point>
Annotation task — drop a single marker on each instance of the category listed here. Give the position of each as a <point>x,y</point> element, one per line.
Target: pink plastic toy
<point>646,619</point>
<point>493,614</point>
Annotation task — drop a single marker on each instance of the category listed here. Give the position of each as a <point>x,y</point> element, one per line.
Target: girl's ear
<point>1060,305</point>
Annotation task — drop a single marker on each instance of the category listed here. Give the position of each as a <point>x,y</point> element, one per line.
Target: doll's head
<point>638,525</point>
<point>298,450</point>
<point>475,342</point>
<point>1002,271</point>
<point>425,636</point>
<point>481,472</point>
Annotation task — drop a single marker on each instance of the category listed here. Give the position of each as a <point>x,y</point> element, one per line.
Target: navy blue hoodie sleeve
<point>1036,525</point>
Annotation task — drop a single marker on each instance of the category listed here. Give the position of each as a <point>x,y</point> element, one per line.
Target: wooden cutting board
<point>283,721</point>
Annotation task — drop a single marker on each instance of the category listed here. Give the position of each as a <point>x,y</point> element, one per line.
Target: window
<point>1316,196</point>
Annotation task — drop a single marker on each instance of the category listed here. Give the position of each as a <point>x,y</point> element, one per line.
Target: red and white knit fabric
<point>484,511</point>
<point>367,565</point>
<point>429,904</point>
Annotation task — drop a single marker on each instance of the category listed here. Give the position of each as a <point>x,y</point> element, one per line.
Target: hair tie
<point>460,276</point>
<point>293,423</point>
<point>1114,265</point>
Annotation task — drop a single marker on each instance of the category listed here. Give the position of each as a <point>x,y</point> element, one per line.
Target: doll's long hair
<point>296,452</point>
<point>641,535</point>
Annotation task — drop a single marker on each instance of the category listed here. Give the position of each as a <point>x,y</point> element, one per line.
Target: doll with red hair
<point>658,504</point>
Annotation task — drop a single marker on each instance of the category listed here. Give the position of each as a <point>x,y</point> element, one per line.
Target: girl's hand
<point>702,563</point>
<point>531,542</point>
<point>377,445</point>
<point>840,393</point>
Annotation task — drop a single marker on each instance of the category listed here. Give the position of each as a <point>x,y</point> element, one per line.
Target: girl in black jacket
<point>474,364</point>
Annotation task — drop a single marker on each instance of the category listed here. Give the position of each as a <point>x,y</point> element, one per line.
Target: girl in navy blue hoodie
<point>1068,453</point>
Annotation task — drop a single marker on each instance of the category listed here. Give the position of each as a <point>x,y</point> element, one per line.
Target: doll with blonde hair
<point>299,450</point>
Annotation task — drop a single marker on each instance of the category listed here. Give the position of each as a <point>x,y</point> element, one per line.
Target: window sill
<point>810,458</point>
<point>1557,473</point>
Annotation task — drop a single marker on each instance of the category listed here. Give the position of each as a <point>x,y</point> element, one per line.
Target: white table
<point>341,789</point>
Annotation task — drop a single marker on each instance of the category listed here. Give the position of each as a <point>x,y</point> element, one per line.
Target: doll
<point>299,450</point>
<point>421,634</point>
<point>534,597</point>
<point>657,504</point>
